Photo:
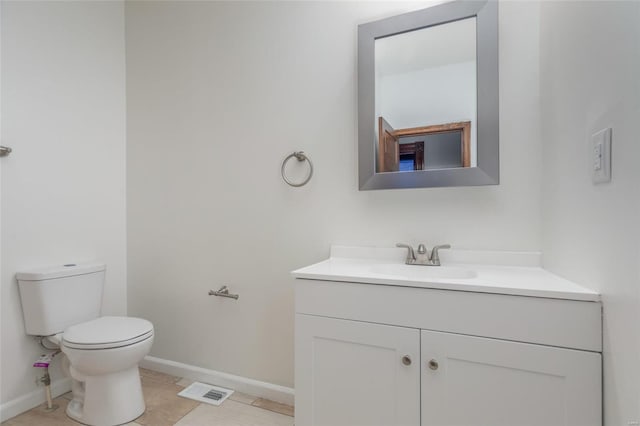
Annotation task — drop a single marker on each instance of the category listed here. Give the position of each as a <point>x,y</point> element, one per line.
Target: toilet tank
<point>57,297</point>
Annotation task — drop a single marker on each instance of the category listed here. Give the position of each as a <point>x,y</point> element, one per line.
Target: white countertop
<point>510,273</point>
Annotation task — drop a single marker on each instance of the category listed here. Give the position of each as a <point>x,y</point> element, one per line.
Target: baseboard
<point>265,390</point>
<point>31,400</point>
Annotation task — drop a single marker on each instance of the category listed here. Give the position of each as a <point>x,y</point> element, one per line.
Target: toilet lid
<point>107,332</point>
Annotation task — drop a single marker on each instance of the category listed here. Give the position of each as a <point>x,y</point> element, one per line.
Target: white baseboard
<point>31,400</point>
<point>265,390</point>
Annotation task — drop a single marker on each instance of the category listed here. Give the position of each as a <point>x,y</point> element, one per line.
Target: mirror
<point>428,98</point>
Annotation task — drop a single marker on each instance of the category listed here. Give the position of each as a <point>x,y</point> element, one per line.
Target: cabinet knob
<point>433,364</point>
<point>406,360</point>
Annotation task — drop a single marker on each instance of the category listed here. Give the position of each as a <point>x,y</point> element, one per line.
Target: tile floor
<point>166,408</point>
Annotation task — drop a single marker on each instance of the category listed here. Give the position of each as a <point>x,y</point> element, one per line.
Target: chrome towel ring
<point>300,156</point>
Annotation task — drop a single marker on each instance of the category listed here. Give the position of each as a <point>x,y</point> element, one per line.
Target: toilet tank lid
<point>60,271</point>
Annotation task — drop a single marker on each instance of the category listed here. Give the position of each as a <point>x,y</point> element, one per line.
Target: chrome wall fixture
<point>4,151</point>
<point>300,156</point>
<point>223,292</point>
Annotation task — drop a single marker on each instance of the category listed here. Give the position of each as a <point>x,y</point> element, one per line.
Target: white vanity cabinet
<point>470,380</point>
<point>372,354</point>
<point>356,373</point>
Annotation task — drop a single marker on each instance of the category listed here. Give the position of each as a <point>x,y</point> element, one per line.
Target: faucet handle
<point>411,256</point>
<point>435,257</point>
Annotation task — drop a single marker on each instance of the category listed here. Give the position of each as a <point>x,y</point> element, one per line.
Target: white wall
<point>217,95</point>
<point>590,63</point>
<point>63,187</point>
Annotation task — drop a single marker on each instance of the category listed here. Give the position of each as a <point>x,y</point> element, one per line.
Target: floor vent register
<point>208,394</point>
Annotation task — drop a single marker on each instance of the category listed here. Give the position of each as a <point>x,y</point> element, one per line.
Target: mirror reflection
<point>425,98</point>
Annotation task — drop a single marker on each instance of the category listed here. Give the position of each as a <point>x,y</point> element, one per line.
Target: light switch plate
<point>601,156</point>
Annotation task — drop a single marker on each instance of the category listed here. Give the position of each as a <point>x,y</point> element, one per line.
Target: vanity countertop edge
<point>509,273</point>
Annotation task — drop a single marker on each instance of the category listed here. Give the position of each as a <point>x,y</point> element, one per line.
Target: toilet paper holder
<point>223,292</point>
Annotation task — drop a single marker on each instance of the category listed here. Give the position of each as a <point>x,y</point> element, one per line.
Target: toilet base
<point>106,400</point>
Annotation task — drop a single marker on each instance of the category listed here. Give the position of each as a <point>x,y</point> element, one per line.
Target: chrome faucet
<point>421,256</point>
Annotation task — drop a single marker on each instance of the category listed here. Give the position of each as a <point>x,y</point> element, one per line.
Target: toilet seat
<point>107,333</point>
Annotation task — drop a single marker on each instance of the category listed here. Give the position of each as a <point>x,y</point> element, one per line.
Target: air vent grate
<point>206,393</point>
<point>215,395</point>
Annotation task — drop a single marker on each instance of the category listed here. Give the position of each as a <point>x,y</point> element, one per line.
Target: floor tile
<point>164,406</point>
<point>266,404</point>
<point>233,413</point>
<point>184,382</point>
<point>243,397</point>
<point>155,376</point>
<point>38,416</point>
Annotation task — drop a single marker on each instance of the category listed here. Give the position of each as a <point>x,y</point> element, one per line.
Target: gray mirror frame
<point>487,170</point>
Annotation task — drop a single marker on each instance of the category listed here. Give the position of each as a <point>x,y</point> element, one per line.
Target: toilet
<point>63,303</point>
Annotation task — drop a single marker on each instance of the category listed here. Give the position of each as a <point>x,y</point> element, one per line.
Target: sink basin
<point>419,272</point>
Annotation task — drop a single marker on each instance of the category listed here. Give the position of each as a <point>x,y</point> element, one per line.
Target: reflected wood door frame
<point>388,147</point>
<point>463,126</point>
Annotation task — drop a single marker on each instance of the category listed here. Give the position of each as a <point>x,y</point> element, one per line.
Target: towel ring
<point>300,156</point>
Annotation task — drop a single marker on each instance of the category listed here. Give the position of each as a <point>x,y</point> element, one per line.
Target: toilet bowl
<point>63,304</point>
<point>103,361</point>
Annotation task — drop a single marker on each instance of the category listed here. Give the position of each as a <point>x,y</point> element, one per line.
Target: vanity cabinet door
<point>473,381</point>
<point>351,373</point>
